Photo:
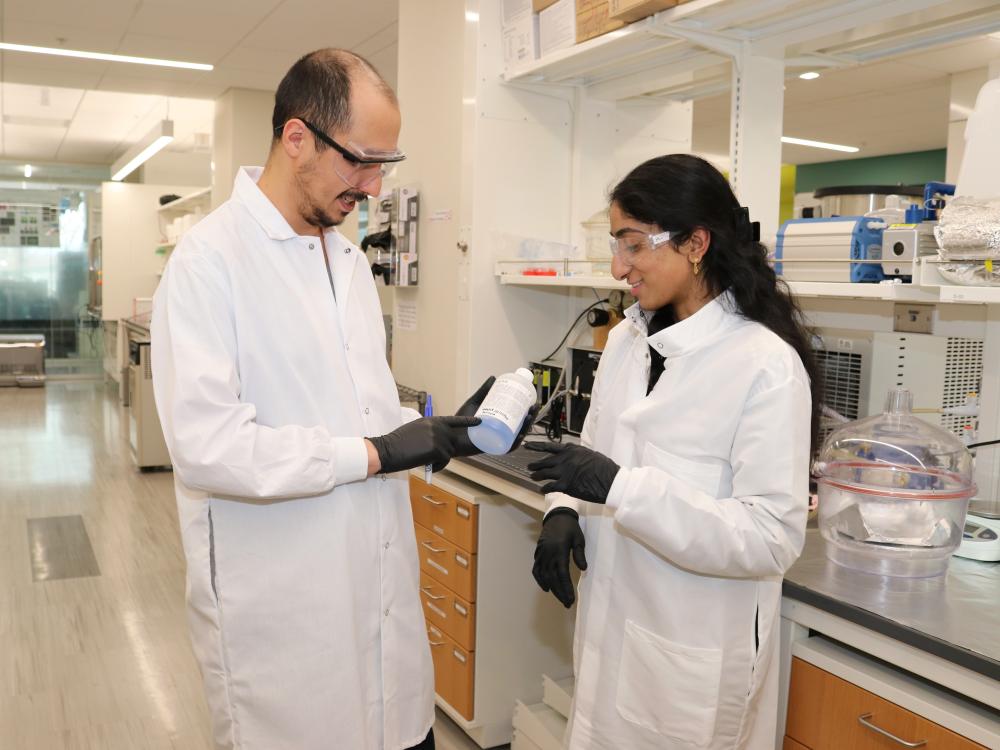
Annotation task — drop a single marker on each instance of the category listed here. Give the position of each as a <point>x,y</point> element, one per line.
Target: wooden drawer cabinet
<point>446,563</point>
<point>449,612</point>
<point>450,517</point>
<point>454,672</point>
<point>826,712</point>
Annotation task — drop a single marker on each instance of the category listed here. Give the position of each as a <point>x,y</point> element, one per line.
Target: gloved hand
<point>561,533</point>
<point>429,440</point>
<point>577,471</point>
<point>471,406</point>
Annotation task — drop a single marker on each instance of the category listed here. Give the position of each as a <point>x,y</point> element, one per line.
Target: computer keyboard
<point>516,461</point>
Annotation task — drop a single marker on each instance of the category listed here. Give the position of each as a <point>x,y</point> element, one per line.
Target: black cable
<point>553,431</point>
<point>982,444</point>
<point>578,319</point>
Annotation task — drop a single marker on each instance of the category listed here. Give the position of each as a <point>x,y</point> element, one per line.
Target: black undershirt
<point>662,318</point>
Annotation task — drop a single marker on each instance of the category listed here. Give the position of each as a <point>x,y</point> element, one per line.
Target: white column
<point>758,98</point>
<point>242,136</point>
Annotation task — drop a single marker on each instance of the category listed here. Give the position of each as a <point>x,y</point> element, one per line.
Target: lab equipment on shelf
<point>503,411</point>
<point>893,492</point>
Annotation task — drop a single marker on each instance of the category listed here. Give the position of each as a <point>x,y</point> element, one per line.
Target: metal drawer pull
<point>427,590</point>
<point>435,550</point>
<point>863,721</point>
<point>463,512</point>
<point>436,643</point>
<point>431,500</point>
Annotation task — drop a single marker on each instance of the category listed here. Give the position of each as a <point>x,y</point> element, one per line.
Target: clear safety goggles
<point>364,165</point>
<point>631,245</point>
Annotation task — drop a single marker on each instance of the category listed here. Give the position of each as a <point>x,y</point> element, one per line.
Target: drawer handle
<point>463,512</point>
<point>436,643</point>
<point>431,500</point>
<point>426,590</point>
<point>863,721</point>
<point>428,546</point>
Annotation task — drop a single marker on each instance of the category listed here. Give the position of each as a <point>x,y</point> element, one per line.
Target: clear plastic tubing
<point>503,411</point>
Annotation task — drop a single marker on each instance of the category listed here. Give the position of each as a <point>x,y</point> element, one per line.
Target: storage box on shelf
<point>593,19</point>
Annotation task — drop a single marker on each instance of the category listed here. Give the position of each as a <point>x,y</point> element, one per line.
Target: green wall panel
<point>914,168</point>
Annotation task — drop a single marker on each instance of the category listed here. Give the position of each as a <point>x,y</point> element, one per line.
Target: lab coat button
<point>312,246</point>
<point>367,410</point>
<point>659,346</point>
<point>347,250</point>
<point>386,613</point>
<point>385,478</point>
<point>387,545</point>
<point>347,347</point>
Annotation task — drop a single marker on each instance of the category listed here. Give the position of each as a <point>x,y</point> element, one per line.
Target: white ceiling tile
<point>66,77</point>
<point>221,23</point>
<point>387,36</point>
<point>262,59</point>
<point>20,141</point>
<point>305,25</point>
<point>52,34</point>
<point>186,49</point>
<point>98,15</point>
<point>42,102</point>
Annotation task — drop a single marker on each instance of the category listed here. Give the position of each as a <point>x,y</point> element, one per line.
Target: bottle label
<point>508,401</point>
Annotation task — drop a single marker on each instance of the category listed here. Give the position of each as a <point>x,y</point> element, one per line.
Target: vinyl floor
<point>94,651</point>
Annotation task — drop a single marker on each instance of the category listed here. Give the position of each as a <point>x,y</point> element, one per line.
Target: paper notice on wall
<point>406,315</point>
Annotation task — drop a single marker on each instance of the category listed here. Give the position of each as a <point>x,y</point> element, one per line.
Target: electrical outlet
<point>911,318</point>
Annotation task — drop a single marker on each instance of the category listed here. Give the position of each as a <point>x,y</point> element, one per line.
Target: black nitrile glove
<point>471,406</point>
<point>577,471</point>
<point>561,533</point>
<point>429,440</point>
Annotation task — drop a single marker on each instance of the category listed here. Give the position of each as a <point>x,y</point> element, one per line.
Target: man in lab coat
<point>269,371</point>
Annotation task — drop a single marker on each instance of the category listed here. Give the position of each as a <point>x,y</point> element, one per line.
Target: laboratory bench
<point>866,661</point>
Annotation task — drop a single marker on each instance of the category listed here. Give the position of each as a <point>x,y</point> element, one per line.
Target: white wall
<point>130,233</point>
<point>241,136</point>
<point>504,159</point>
<point>191,168</point>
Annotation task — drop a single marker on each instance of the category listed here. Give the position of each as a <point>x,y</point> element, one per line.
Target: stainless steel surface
<point>863,720</point>
<point>960,608</point>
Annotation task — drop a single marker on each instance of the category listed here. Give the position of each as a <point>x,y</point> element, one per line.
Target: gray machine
<point>22,360</point>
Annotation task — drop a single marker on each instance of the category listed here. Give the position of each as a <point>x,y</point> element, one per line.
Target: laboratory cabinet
<point>826,712</point>
<point>492,633</point>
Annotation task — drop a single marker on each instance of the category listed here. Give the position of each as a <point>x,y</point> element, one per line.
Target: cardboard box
<point>539,5</point>
<point>593,18</point>
<point>635,10</point>
<point>520,41</point>
<point>557,27</point>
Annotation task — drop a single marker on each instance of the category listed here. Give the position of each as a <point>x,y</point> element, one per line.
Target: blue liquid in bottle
<point>503,412</point>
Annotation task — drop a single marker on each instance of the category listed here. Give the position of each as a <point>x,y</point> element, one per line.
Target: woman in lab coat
<point>689,493</point>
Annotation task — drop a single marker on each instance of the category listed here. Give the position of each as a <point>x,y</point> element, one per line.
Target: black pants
<point>427,744</point>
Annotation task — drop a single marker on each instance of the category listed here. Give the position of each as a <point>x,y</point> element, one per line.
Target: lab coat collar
<point>266,214</point>
<point>690,334</point>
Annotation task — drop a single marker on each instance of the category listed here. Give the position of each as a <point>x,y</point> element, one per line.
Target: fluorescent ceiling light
<point>809,75</point>
<point>819,144</point>
<point>27,170</point>
<point>142,151</point>
<point>59,52</point>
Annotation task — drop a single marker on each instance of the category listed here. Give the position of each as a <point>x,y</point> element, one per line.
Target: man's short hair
<point>317,88</point>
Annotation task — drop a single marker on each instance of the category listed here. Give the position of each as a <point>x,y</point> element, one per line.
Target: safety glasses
<point>364,165</point>
<point>630,245</point>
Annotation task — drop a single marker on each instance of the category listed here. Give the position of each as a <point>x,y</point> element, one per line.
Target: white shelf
<point>584,282</point>
<point>670,55</point>
<point>845,290</point>
<point>188,203</point>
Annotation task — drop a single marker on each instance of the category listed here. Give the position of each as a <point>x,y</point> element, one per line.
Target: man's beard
<point>314,214</point>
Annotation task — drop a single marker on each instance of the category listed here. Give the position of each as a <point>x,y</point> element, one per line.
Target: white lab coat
<point>302,575</point>
<point>705,516</point>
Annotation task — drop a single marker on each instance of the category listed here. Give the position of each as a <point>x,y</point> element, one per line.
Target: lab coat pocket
<point>701,475</point>
<point>668,688</point>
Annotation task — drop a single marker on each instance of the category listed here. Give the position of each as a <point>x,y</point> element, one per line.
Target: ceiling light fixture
<point>28,170</point>
<point>819,144</point>
<point>59,52</point>
<point>142,151</point>
<point>809,75</point>
<point>471,16</point>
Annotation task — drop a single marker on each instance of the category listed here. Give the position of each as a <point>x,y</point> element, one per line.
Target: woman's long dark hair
<point>679,193</point>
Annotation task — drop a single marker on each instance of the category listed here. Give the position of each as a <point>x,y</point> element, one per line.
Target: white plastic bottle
<point>503,411</point>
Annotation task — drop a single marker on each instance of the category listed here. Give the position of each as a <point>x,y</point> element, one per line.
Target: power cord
<point>573,326</point>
